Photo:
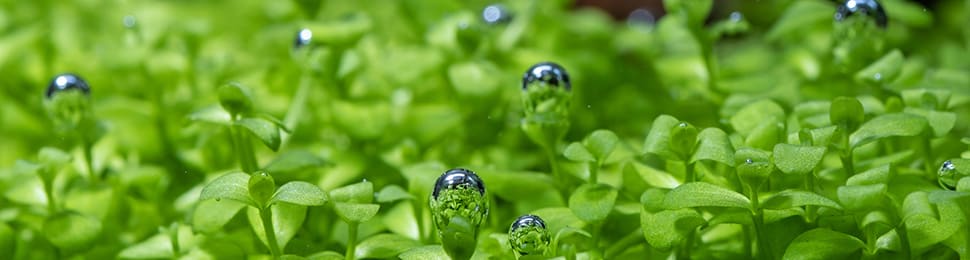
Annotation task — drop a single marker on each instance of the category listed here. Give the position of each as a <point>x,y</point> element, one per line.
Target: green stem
<point>419,218</point>
<point>928,158</point>
<point>904,241</point>
<point>266,215</point>
<point>597,234</point>
<point>244,149</point>
<point>295,112</point>
<point>810,187</point>
<point>687,246</point>
<point>556,174</point>
<point>89,161</point>
<point>689,175</point>
<point>625,243</point>
<point>847,162</point>
<point>176,249</point>
<point>49,192</point>
<point>764,250</point>
<point>594,168</point>
<point>351,240</point>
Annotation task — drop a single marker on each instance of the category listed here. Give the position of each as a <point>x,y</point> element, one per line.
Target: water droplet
<point>528,235</point>
<point>869,8</point>
<point>459,195</point>
<point>546,74</point>
<point>748,161</point>
<point>496,14</point>
<point>129,21</point>
<point>640,17</point>
<point>303,38</point>
<point>682,125</point>
<point>736,16</point>
<point>877,76</point>
<point>948,175</point>
<point>67,81</point>
<point>458,178</point>
<point>589,106</point>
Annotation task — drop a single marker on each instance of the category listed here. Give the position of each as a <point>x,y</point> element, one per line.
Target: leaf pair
<point>235,186</point>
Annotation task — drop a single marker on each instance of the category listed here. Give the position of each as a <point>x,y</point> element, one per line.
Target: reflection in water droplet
<point>948,175</point>
<point>303,38</point>
<point>496,14</point>
<point>869,8</point>
<point>877,76</point>
<point>640,17</point>
<point>736,16</point>
<point>458,193</point>
<point>129,21</point>
<point>546,74</point>
<point>67,81</point>
<point>748,161</point>
<point>528,235</point>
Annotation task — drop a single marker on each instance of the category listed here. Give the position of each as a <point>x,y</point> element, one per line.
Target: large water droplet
<point>459,195</point>
<point>546,74</point>
<point>458,178</point>
<point>65,82</point>
<point>869,8</point>
<point>496,14</point>
<point>948,175</point>
<point>129,21</point>
<point>641,17</point>
<point>303,38</point>
<point>528,235</point>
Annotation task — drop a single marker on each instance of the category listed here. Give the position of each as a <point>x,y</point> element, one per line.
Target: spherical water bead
<point>641,16</point>
<point>496,14</point>
<point>870,8</point>
<point>65,82</point>
<point>528,235</point>
<point>303,38</point>
<point>948,176</point>
<point>129,21</point>
<point>458,193</point>
<point>736,16</point>
<point>546,74</point>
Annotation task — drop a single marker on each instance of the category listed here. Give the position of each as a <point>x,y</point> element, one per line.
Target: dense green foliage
<point>211,130</point>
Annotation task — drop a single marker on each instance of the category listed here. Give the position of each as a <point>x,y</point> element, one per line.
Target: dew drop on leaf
<point>736,16</point>
<point>129,21</point>
<point>528,235</point>
<point>748,161</point>
<point>458,178</point>
<point>948,175</point>
<point>303,38</point>
<point>65,82</point>
<point>641,17</point>
<point>459,193</point>
<point>496,14</point>
<point>869,8</point>
<point>546,74</point>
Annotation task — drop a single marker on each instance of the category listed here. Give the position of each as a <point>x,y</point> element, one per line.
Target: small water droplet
<point>641,17</point>
<point>877,76</point>
<point>65,82</point>
<point>748,161</point>
<point>528,235</point>
<point>458,178</point>
<point>736,16</point>
<point>682,125</point>
<point>546,74</point>
<point>496,14</point>
<point>218,199</point>
<point>129,21</point>
<point>947,175</point>
<point>589,106</point>
<point>303,38</point>
<point>870,8</point>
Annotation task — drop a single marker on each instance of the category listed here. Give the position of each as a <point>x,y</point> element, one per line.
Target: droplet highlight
<point>528,235</point>
<point>870,8</point>
<point>66,82</point>
<point>546,74</point>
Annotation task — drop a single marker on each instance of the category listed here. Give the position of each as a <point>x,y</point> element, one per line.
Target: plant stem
<point>266,215</point>
<point>89,160</point>
<point>176,249</point>
<point>594,168</point>
<point>295,112</point>
<point>244,149</point>
<point>688,244</point>
<point>418,209</point>
<point>904,240</point>
<point>810,187</point>
<point>758,218</point>
<point>625,243</point>
<point>689,175</point>
<point>49,192</point>
<point>351,240</point>
<point>928,158</point>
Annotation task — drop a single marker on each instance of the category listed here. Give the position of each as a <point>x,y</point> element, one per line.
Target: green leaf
<point>862,197</point>
<point>159,245</point>
<point>326,255</point>
<point>941,122</point>
<point>355,212</point>
<point>7,238</point>
<point>559,218</point>
<point>847,112</point>
<point>384,246</point>
<point>797,159</point>
<point>212,114</point>
<point>391,193</point>
<point>361,192</point>
<point>577,152</point>
<point>432,252</point>
<point>601,143</point>
<point>700,194</point>
<point>878,175</point>
<point>888,125</point>
<point>886,69</point>
<point>592,202</point>
<point>264,130</point>
<point>749,117</point>
<point>797,198</point>
<point>287,220</point>
<point>210,215</point>
<point>822,244</point>
<point>300,193</point>
<point>474,78</point>
<point>232,186</point>
<point>765,135</point>
<point>801,16</point>
<point>72,231</point>
<point>668,228</point>
<point>696,11</point>
<point>713,144</point>
<point>294,161</point>
<point>925,227</point>
<point>683,138</point>
<point>658,140</point>
<point>754,166</point>
<point>53,157</point>
<point>235,98</point>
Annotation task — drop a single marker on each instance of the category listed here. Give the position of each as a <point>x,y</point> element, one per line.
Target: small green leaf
<point>822,244</point>
<point>796,159</point>
<point>668,228</point>
<point>235,98</point>
<point>696,11</point>
<point>888,125</point>
<point>862,197</point>
<point>847,112</point>
<point>7,238</point>
<point>941,122</point>
<point>287,220</point>
<point>431,252</point>
<point>210,215</point>
<point>878,175</point>
<point>886,69</point>
<point>592,202</point>
<point>683,138</point>
<point>326,255</point>
<point>765,135</point>
<point>233,186</point>
<point>300,193</point>
<point>749,117</point>
<point>294,161</point>
<point>701,194</point>
<point>361,192</point>
<point>266,131</point>
<point>754,166</point>
<point>713,144</point>
<point>658,140</point>
<point>212,114</point>
<point>355,212</point>
<point>577,152</point>
<point>159,245</point>
<point>800,17</point>
<point>796,198</point>
<point>384,246</point>
<point>261,188</point>
<point>53,156</point>
<point>72,231</point>
<point>601,143</point>
<point>393,193</point>
<point>474,78</point>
